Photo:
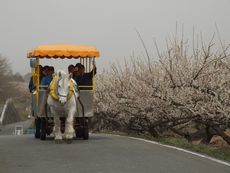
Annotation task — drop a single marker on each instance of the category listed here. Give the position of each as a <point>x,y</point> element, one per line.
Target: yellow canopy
<point>63,51</point>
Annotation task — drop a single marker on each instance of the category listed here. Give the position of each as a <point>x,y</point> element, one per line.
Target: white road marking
<point>183,150</point>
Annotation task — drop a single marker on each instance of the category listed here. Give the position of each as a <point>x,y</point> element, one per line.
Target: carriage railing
<point>85,103</point>
<point>43,87</point>
<point>46,87</point>
<point>86,87</point>
<point>36,78</point>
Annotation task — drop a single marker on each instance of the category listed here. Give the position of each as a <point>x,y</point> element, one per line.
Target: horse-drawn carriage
<point>70,106</point>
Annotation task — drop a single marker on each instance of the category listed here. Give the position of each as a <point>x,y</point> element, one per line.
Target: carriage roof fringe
<point>63,52</point>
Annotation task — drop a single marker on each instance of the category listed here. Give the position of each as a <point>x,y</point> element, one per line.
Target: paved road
<point>100,154</point>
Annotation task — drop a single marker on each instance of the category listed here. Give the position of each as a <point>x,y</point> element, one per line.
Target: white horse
<point>62,98</point>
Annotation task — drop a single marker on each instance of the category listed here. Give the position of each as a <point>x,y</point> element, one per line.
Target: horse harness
<point>54,91</point>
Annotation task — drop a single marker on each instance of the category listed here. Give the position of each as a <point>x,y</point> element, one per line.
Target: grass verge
<point>222,153</point>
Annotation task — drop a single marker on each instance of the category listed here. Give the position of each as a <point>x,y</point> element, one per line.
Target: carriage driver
<point>82,78</point>
<point>71,69</point>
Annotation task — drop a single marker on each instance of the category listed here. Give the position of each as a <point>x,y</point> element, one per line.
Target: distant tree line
<point>7,79</point>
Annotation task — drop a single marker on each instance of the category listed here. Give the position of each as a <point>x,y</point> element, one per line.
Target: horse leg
<point>69,130</point>
<point>57,127</point>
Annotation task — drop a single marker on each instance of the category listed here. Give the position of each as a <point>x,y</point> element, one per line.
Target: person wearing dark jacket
<point>47,76</point>
<point>32,86</point>
<point>84,79</point>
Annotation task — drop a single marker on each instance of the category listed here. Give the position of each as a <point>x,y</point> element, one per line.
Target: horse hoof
<point>69,141</point>
<point>58,141</point>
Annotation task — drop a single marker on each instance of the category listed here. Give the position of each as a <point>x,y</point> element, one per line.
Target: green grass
<point>222,153</point>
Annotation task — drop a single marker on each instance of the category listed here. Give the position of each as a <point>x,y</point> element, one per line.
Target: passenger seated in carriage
<point>51,71</point>
<point>82,78</point>
<point>47,72</point>
<point>32,86</point>
<point>71,69</point>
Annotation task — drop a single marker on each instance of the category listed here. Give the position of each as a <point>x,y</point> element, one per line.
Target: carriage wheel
<point>43,129</point>
<point>79,133</point>
<point>86,133</point>
<point>85,130</point>
<point>38,127</point>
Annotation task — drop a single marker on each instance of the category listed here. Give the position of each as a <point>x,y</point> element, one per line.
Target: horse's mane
<point>60,73</point>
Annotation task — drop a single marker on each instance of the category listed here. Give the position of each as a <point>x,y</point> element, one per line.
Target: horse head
<point>63,86</point>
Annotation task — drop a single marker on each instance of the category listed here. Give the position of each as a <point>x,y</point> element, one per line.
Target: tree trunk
<point>153,132</point>
<point>209,133</point>
<point>186,135</point>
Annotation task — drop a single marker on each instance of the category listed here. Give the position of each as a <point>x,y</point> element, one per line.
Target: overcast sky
<point>107,24</point>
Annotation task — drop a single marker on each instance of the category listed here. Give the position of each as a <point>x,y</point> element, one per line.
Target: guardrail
<point>4,111</point>
<point>9,113</point>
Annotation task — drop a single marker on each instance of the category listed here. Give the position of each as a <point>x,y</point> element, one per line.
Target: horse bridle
<point>62,95</point>
<point>58,94</point>
<point>83,109</point>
